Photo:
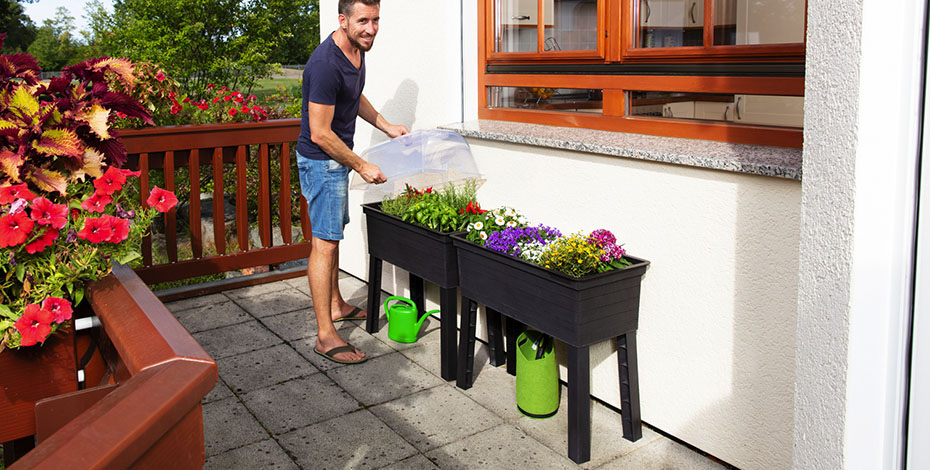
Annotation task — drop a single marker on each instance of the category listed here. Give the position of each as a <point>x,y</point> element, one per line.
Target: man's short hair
<point>345,6</point>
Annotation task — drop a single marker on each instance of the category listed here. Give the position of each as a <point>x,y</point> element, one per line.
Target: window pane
<point>671,23</point>
<point>572,26</point>
<point>553,99</point>
<point>738,22</point>
<point>737,108</point>
<point>516,25</point>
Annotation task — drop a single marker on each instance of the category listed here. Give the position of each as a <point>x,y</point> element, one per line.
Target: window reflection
<point>553,99</point>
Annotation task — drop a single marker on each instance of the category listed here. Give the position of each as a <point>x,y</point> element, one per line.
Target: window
<point>729,70</point>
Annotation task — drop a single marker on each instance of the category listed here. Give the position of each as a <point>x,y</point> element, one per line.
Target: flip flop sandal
<point>340,349</point>
<point>352,316</point>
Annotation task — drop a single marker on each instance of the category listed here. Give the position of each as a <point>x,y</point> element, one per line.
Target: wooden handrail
<point>215,146</point>
<point>153,419</point>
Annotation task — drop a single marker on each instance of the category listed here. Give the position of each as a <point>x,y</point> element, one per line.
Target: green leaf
<point>6,312</point>
<point>20,272</point>
<point>78,295</point>
<point>6,324</point>
<point>126,258</point>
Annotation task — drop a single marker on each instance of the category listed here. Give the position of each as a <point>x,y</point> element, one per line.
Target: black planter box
<point>579,312</point>
<point>421,251</point>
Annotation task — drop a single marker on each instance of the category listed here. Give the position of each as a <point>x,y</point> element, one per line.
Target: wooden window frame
<point>598,54</point>
<point>615,86</point>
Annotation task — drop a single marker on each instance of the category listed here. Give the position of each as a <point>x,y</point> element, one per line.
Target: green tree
<point>19,28</point>
<point>228,42</point>
<point>304,29</point>
<point>55,45</point>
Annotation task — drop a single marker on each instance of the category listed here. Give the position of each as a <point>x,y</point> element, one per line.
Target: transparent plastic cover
<point>422,158</point>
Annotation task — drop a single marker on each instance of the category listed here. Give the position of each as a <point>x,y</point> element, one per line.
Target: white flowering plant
<point>489,222</point>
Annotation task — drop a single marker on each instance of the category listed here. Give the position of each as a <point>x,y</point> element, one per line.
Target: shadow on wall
<point>401,109</point>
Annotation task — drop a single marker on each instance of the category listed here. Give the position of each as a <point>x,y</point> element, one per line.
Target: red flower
<point>14,228</point>
<point>121,115</point>
<point>211,86</point>
<point>9,194</point>
<point>128,173</point>
<point>217,99</point>
<point>96,230</point>
<point>252,97</point>
<point>34,325</point>
<point>227,97</point>
<point>161,200</point>
<point>224,88</point>
<point>171,94</point>
<point>160,77</point>
<point>59,308</point>
<point>46,212</point>
<point>245,109</point>
<point>96,202</point>
<point>186,99</point>
<point>43,242</point>
<point>233,111</point>
<point>111,182</point>
<point>239,99</point>
<point>118,227</point>
<point>176,108</point>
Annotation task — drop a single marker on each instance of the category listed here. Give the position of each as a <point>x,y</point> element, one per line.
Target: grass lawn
<point>268,85</point>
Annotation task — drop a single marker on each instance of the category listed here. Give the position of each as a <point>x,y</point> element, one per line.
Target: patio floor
<point>279,405</point>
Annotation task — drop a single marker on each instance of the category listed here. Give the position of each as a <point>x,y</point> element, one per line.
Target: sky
<point>43,9</point>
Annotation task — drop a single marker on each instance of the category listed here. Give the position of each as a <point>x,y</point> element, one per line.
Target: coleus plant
<point>67,209</point>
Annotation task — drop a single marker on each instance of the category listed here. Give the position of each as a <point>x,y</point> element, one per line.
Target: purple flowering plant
<point>522,242</point>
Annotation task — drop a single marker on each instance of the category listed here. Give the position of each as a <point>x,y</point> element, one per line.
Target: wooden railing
<point>150,416</point>
<point>236,148</point>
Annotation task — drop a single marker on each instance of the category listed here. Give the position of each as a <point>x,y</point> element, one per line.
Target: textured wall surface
<point>830,138</point>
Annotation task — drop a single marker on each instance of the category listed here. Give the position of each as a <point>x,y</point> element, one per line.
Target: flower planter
<point>427,255</point>
<point>579,312</point>
<point>32,374</point>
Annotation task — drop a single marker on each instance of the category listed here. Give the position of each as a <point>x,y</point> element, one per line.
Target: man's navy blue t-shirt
<point>331,79</point>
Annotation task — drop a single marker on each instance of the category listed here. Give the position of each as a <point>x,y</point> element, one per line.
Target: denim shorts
<point>325,185</point>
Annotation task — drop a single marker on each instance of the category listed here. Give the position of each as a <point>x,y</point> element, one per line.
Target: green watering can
<point>403,325</point>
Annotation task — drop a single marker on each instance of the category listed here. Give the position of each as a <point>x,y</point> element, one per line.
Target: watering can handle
<point>398,298</point>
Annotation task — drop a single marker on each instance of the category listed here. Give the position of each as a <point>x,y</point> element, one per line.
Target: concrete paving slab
<point>193,302</point>
<point>663,454</point>
<point>435,417</point>
<point>382,379</point>
<point>210,316</point>
<point>607,442</point>
<point>352,288</point>
<point>275,302</point>
<point>300,402</point>
<point>236,339</point>
<point>263,368</point>
<point>256,290</point>
<point>227,424</point>
<point>417,462</point>
<point>501,447</point>
<point>292,325</point>
<point>426,355</point>
<point>495,390</point>
<point>353,335</point>
<point>356,440</point>
<point>265,454</point>
<point>219,392</point>
<point>301,283</point>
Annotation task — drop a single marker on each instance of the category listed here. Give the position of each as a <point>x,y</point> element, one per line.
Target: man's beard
<point>358,44</point>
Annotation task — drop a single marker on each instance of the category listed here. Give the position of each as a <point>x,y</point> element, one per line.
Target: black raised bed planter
<point>427,255</point>
<point>579,312</point>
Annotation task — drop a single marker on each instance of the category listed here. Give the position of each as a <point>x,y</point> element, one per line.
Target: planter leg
<point>513,330</point>
<point>629,387</point>
<point>448,311</point>
<point>467,344</point>
<point>416,292</point>
<point>579,404</point>
<point>374,295</point>
<point>495,341</point>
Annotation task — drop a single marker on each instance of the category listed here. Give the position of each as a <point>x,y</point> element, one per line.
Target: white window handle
<point>521,17</point>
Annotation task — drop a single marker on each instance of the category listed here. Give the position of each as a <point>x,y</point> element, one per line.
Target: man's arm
<point>320,118</point>
<point>367,112</point>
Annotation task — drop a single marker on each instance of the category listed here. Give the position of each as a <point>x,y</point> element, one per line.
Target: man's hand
<point>371,173</point>
<point>395,130</point>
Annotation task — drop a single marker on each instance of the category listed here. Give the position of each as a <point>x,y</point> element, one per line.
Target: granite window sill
<point>750,159</point>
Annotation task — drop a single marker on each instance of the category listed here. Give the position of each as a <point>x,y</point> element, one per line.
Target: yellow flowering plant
<point>573,255</point>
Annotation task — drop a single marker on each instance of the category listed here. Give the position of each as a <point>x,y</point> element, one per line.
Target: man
<point>332,98</point>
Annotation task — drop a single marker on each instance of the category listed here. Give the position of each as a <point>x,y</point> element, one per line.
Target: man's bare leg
<point>321,269</point>
<point>340,308</point>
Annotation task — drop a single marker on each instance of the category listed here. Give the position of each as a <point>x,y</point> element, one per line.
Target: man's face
<point>361,26</point>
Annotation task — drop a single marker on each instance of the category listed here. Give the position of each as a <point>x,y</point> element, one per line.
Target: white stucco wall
<point>856,252</point>
<point>718,313</point>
